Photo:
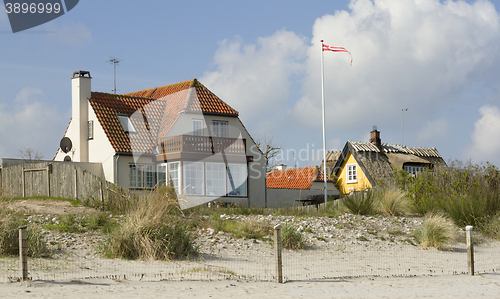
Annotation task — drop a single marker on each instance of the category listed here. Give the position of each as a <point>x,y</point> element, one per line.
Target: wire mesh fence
<point>333,251</point>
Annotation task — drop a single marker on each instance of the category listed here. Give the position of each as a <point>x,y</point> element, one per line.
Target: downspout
<point>116,168</point>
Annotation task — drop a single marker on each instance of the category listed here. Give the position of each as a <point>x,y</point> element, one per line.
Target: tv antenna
<point>114,61</point>
<point>402,132</point>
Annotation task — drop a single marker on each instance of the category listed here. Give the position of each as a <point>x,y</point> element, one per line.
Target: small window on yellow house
<point>352,173</point>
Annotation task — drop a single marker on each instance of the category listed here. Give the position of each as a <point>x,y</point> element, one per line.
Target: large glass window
<point>237,179</point>
<point>161,174</point>
<point>219,128</point>
<point>216,179</point>
<point>174,175</point>
<point>141,176</point>
<point>193,178</point>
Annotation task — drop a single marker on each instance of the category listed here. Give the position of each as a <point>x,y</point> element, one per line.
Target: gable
<point>152,113</point>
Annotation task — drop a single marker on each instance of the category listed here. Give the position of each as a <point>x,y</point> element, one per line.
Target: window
<point>352,173</point>
<point>216,179</point>
<point>90,129</point>
<point>197,127</point>
<point>193,178</point>
<point>141,176</point>
<point>219,128</point>
<point>126,123</point>
<point>414,169</point>
<point>237,179</point>
<point>174,175</point>
<point>161,174</point>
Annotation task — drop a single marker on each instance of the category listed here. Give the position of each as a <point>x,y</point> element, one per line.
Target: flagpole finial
<point>321,40</point>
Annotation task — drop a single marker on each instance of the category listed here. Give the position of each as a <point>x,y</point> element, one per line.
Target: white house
<point>181,134</point>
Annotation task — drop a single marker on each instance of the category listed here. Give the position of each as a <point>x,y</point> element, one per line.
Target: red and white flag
<point>336,49</point>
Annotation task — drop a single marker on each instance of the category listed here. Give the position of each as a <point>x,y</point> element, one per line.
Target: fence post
<point>49,168</point>
<point>23,180</point>
<point>470,249</point>
<point>23,252</point>
<point>277,253</point>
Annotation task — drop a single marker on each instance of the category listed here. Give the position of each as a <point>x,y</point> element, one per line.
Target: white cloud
<point>255,78</point>
<point>434,129</point>
<point>485,142</point>
<point>30,123</point>
<point>72,33</point>
<point>407,53</point>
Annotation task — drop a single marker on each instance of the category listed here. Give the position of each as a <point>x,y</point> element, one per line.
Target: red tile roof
<point>294,178</point>
<point>152,112</point>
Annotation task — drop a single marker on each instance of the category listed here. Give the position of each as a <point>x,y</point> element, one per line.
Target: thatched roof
<point>378,162</point>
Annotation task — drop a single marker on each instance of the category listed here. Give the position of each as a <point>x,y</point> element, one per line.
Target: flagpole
<point>324,129</point>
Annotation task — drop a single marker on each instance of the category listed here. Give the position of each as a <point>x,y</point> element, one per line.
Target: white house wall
<point>100,149</point>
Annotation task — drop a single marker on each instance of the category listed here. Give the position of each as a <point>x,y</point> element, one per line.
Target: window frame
<point>90,130</point>
<point>176,181</point>
<point>215,180</point>
<point>220,128</point>
<point>126,123</point>
<point>351,177</point>
<point>141,176</point>
<point>231,174</point>
<point>187,171</point>
<point>197,131</point>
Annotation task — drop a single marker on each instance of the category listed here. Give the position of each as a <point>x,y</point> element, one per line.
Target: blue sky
<point>440,59</point>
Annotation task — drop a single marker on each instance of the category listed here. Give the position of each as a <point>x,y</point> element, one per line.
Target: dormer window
<point>126,123</point>
<point>415,168</point>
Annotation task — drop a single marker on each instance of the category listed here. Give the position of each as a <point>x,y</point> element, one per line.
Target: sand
<point>457,286</point>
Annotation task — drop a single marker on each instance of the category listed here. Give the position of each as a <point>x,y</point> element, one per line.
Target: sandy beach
<point>456,286</point>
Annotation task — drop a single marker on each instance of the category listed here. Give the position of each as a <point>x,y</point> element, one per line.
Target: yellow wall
<point>362,182</point>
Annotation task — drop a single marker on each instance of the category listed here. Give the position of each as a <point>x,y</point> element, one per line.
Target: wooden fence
<point>54,180</point>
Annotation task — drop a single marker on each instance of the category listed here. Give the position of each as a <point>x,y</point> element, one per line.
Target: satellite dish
<point>65,144</point>
<point>67,159</point>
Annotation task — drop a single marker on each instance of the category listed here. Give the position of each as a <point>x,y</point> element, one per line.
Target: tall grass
<point>291,238</point>
<point>360,203</point>
<point>436,232</point>
<point>392,201</point>
<point>9,236</point>
<point>151,229</point>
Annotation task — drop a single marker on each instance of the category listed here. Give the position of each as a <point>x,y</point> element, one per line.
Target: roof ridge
<point>164,86</point>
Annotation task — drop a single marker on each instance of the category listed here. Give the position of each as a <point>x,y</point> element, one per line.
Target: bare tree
<point>270,151</point>
<point>30,155</point>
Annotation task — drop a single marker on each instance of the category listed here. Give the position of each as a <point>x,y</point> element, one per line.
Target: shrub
<point>393,202</point>
<point>436,232</point>
<point>250,229</point>
<point>360,203</point>
<point>151,230</point>
<point>9,237</point>
<point>291,238</point>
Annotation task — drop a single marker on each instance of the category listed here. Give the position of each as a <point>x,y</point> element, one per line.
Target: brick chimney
<point>80,85</point>
<point>375,137</point>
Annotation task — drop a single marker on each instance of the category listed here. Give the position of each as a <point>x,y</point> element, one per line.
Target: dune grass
<point>152,229</point>
<point>436,232</point>
<point>392,202</point>
<point>291,238</point>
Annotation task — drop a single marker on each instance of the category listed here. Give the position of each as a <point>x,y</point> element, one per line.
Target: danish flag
<point>336,49</point>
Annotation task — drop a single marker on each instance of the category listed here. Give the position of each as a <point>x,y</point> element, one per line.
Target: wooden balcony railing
<point>201,144</point>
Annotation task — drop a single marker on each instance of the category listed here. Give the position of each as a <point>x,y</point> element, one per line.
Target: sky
<point>437,59</point>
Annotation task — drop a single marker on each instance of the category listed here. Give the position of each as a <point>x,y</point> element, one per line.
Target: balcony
<point>201,145</point>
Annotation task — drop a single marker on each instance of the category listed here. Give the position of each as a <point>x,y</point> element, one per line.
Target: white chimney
<point>80,93</point>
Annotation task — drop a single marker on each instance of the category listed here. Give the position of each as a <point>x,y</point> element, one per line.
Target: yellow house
<point>361,165</point>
